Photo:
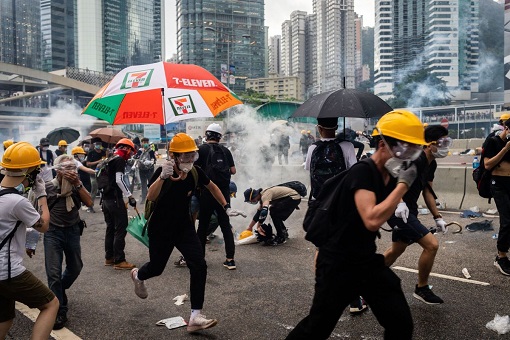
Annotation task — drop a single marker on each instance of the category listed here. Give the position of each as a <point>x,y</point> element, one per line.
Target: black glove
<point>263,214</point>
<point>132,202</point>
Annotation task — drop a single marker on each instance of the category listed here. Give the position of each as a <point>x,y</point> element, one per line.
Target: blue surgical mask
<point>21,188</point>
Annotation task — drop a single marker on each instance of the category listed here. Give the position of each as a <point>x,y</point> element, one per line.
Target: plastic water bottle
<point>476,162</point>
<point>32,238</point>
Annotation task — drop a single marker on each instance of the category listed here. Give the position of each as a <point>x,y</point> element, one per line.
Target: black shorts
<point>409,232</point>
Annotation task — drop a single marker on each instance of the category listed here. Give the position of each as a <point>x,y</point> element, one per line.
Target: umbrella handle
<point>136,209</point>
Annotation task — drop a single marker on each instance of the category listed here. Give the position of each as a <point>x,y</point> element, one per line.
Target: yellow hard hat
<point>8,143</point>
<point>21,155</point>
<point>402,125</point>
<point>504,117</point>
<point>245,234</point>
<point>182,143</point>
<point>77,150</point>
<point>308,131</point>
<point>303,132</point>
<point>62,143</point>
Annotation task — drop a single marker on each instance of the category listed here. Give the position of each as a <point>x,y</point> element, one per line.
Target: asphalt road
<point>271,290</point>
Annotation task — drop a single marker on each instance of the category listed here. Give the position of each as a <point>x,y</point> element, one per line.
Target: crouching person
<point>279,202</point>
<point>21,163</point>
<point>65,193</point>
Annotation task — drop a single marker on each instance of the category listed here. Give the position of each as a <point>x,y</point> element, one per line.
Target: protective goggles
<point>403,150</point>
<point>188,157</point>
<point>444,142</point>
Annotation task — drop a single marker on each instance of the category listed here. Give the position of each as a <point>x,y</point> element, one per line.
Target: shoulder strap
<point>9,237</point>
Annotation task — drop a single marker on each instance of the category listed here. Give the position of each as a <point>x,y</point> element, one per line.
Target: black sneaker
<point>425,294</point>
<point>503,264</point>
<point>280,240</point>
<point>60,322</point>
<point>181,262</point>
<point>230,265</point>
<point>358,306</point>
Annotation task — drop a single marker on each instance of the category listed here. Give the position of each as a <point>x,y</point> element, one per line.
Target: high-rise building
<point>58,34</point>
<point>358,29</point>
<point>223,36</point>
<point>274,52</point>
<point>335,44</point>
<point>20,33</point>
<point>440,35</point>
<point>114,34</point>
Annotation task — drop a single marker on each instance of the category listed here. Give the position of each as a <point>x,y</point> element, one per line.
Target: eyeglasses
<point>188,157</point>
<point>443,142</point>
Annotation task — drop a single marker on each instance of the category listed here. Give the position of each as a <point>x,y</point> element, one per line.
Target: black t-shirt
<point>94,156</point>
<point>425,174</point>
<point>356,245</point>
<point>173,205</point>
<point>116,164</point>
<point>203,155</point>
<point>494,146</point>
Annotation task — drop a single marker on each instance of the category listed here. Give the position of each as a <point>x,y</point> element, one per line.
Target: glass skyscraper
<point>212,33</point>
<point>20,33</point>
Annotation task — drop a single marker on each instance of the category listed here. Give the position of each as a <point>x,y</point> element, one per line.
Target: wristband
<point>79,186</point>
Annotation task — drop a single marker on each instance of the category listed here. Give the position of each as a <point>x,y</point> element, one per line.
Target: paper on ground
<point>171,323</point>
<point>179,299</point>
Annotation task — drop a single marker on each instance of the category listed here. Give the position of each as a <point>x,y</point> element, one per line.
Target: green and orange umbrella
<point>160,93</point>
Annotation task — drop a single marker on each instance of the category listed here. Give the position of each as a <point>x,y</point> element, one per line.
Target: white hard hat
<point>214,127</point>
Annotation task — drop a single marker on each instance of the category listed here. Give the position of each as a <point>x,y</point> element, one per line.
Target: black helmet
<point>250,193</point>
<point>44,141</point>
<point>268,230</point>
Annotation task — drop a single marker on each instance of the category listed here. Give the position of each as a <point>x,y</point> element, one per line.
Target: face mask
<point>44,148</point>
<point>145,146</point>
<point>441,153</point>
<point>20,188</point>
<point>125,154</point>
<point>97,146</point>
<point>81,158</point>
<point>86,149</point>
<point>185,167</point>
<point>393,165</point>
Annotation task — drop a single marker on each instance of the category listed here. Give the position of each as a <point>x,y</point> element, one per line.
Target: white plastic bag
<point>500,324</point>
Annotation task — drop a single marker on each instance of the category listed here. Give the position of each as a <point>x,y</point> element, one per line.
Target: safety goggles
<point>444,142</point>
<point>188,157</point>
<point>403,150</point>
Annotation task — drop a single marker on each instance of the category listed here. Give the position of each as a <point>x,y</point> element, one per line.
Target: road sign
<point>444,123</point>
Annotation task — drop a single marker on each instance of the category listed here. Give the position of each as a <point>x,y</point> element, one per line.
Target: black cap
<point>327,122</point>
<point>44,141</point>
<point>96,140</point>
<point>250,193</point>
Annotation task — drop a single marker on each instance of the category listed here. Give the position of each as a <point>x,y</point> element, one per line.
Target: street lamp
<point>464,112</point>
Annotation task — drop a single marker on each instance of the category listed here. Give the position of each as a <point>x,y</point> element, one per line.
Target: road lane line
<point>454,278</point>
<point>33,313</point>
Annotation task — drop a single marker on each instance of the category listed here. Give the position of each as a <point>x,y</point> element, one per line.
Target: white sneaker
<point>200,322</point>
<point>140,289</point>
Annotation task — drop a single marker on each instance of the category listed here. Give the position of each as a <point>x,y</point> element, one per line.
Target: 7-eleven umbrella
<point>160,93</point>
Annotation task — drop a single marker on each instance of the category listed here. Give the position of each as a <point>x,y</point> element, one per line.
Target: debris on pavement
<point>179,299</point>
<point>171,323</point>
<point>500,324</point>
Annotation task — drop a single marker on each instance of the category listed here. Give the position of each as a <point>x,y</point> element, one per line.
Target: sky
<point>276,12</point>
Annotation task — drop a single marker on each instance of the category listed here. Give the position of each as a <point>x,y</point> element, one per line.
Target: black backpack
<point>102,177</point>
<point>321,220</point>
<point>216,166</point>
<point>326,161</point>
<point>295,185</point>
<point>9,236</point>
<point>483,177</point>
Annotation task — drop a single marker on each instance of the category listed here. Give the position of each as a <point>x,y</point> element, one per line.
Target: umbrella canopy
<point>343,103</point>
<point>108,134</point>
<point>62,133</point>
<point>160,93</point>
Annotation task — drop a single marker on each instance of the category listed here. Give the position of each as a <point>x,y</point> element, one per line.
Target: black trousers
<point>336,285</point>
<point>116,218</point>
<point>181,235</point>
<point>208,205</point>
<point>500,190</point>
<point>280,210</point>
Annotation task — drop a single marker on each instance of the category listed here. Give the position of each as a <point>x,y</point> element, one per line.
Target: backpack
<point>295,185</point>
<point>216,166</point>
<point>321,218</point>
<point>483,177</point>
<point>150,206</point>
<point>9,236</point>
<point>102,174</point>
<point>327,160</point>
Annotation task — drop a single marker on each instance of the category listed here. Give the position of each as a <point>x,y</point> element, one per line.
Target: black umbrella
<point>343,103</point>
<point>63,133</point>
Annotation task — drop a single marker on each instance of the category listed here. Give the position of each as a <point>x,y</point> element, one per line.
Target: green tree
<point>420,88</point>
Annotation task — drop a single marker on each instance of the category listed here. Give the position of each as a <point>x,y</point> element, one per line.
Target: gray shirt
<point>59,216</point>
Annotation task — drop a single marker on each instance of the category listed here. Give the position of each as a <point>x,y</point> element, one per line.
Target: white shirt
<point>46,173</point>
<point>14,208</point>
<point>347,149</point>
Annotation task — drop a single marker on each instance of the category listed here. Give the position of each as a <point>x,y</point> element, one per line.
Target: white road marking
<point>454,278</point>
<point>33,313</point>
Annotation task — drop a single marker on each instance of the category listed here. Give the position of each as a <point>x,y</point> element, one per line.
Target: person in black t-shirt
<point>171,226</point>
<point>348,265</point>
<point>407,229</point>
<point>497,159</point>
<point>94,156</point>
<point>114,209</point>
